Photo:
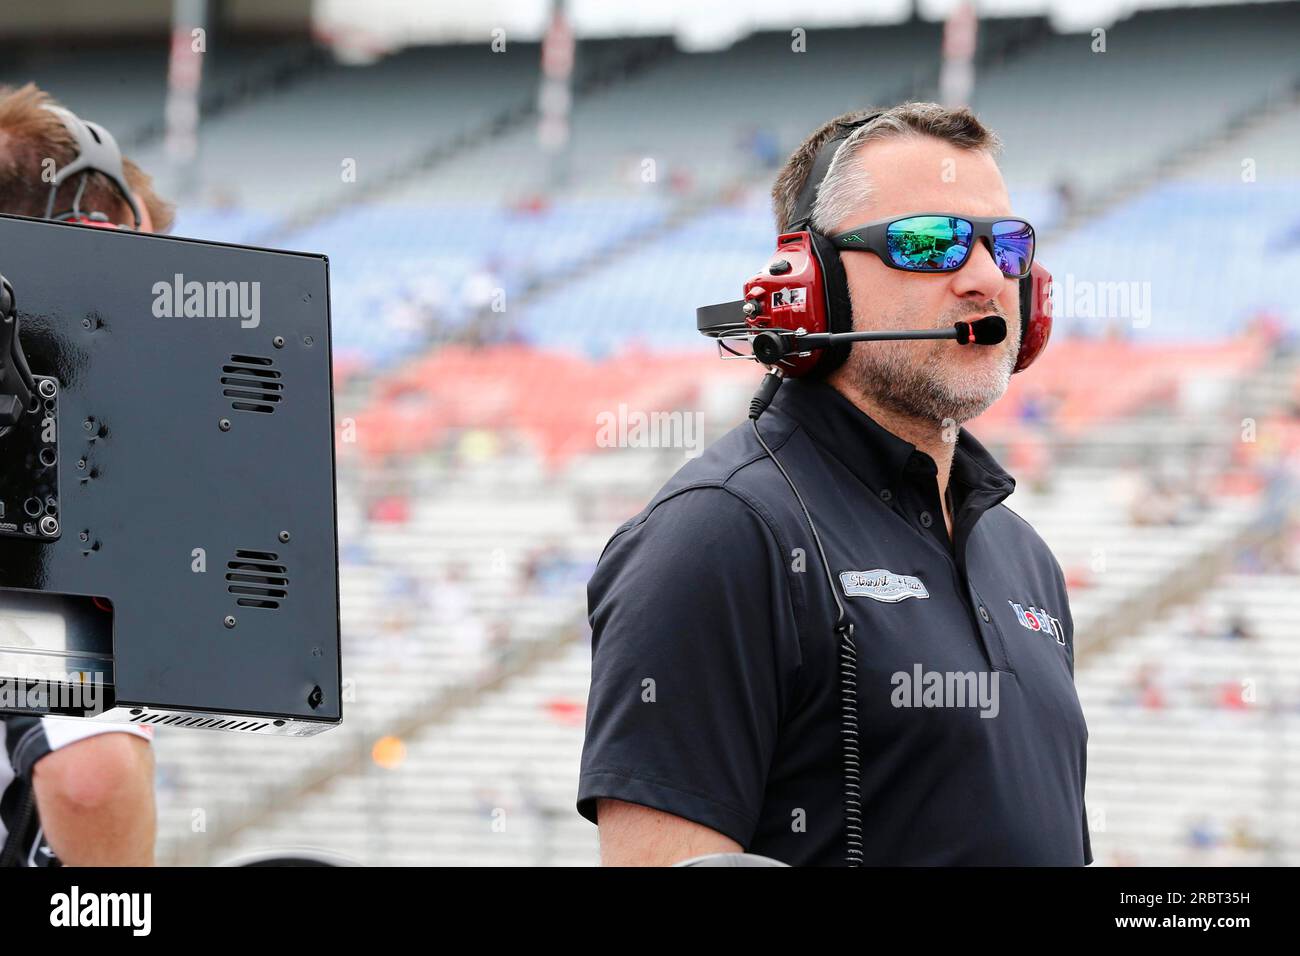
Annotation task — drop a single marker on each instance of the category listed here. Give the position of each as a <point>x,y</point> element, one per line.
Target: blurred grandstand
<point>491,299</point>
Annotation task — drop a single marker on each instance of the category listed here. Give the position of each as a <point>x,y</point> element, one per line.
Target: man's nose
<point>980,275</point>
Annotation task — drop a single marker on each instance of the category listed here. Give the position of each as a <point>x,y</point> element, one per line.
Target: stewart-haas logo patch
<point>882,585</point>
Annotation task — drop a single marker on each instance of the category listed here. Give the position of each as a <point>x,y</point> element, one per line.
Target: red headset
<point>97,152</point>
<point>804,287</point>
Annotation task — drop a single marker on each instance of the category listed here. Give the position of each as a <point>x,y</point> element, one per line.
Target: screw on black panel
<point>230,620</point>
<point>278,341</point>
<point>315,698</point>
<point>81,464</point>
<point>308,341</point>
<point>224,424</point>
<point>283,536</point>
<point>84,536</point>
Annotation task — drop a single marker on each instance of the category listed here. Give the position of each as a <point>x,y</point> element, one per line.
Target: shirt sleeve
<point>34,737</point>
<point>694,647</point>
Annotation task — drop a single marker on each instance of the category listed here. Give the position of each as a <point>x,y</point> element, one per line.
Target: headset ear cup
<point>835,292</point>
<point>1035,316</point>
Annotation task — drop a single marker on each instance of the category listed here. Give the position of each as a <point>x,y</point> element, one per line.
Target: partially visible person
<point>72,792</point>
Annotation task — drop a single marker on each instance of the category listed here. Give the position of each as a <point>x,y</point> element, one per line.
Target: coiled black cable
<point>848,651</point>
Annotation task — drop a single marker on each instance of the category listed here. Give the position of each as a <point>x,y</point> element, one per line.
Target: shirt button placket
<point>991,635</point>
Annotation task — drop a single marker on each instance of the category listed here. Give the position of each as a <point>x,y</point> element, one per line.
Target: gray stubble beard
<point>884,372</point>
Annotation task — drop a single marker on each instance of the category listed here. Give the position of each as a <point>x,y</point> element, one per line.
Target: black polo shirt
<point>715,692</point>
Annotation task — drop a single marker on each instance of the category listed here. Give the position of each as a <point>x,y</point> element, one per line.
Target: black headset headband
<point>803,205</point>
<point>97,152</point>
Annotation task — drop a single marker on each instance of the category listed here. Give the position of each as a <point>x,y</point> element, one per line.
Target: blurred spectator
<point>1067,197</point>
<point>1202,834</point>
<point>501,649</point>
<point>1243,835</point>
<point>1146,689</point>
<point>762,148</point>
<point>454,611</point>
<point>1230,696</point>
<point>1238,628</point>
<point>393,509</point>
<point>551,570</point>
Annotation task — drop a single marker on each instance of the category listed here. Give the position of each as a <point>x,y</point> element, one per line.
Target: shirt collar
<point>878,457</point>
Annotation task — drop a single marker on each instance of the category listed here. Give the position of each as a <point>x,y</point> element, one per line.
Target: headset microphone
<point>990,330</point>
<point>771,346</point>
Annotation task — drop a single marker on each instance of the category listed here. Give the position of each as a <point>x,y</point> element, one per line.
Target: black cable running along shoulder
<point>847,648</point>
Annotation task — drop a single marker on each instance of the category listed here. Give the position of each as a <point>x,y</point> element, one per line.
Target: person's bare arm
<point>95,799</point>
<point>633,835</point>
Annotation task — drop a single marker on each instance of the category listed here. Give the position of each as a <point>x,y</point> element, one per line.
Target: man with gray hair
<point>725,714</point>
